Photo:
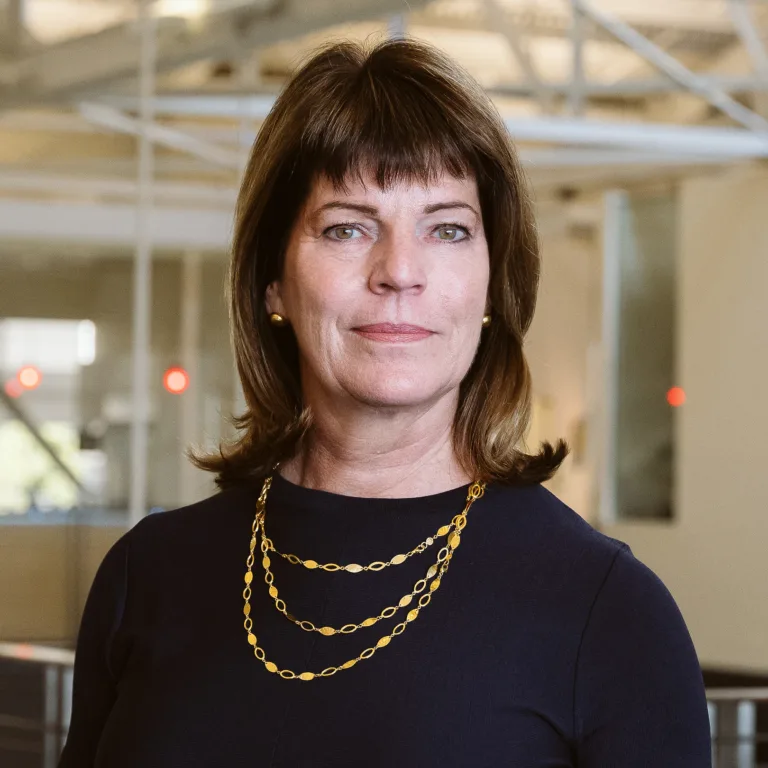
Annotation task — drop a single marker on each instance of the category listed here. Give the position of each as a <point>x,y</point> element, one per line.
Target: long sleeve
<point>639,698</point>
<point>94,685</point>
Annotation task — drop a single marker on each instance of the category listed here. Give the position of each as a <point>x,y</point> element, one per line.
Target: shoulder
<point>636,656</point>
<point>620,587</point>
<point>597,576</point>
<point>560,538</point>
<point>633,596</point>
<point>537,538</point>
<point>193,526</point>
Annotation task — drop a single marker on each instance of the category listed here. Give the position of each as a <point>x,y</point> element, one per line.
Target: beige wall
<point>45,574</point>
<point>566,323</point>
<point>713,557</point>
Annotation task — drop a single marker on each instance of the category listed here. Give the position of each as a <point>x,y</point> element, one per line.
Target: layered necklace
<point>429,584</point>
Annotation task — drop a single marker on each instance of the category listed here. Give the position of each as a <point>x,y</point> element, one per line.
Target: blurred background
<point>643,125</point>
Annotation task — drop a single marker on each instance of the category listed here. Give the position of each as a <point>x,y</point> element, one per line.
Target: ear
<point>273,299</point>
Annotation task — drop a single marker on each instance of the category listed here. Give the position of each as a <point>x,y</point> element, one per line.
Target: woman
<point>384,276</point>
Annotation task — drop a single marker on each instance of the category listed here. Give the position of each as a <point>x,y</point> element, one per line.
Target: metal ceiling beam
<point>92,62</point>
<point>698,34</point>
<point>666,40</point>
<point>559,158</point>
<point>238,106</point>
<point>111,118</point>
<point>659,139</point>
<point>674,69</point>
<point>57,186</point>
<point>106,224</point>
<point>746,25</point>
<point>256,106</point>
<point>62,186</point>
<point>732,61</point>
<point>500,22</point>
<point>653,137</point>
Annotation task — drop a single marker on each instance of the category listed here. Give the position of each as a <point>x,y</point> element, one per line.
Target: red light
<point>29,377</point>
<point>176,380</point>
<point>24,651</point>
<point>13,388</point>
<point>676,397</point>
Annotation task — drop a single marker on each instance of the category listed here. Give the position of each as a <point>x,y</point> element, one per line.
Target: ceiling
<point>619,92</point>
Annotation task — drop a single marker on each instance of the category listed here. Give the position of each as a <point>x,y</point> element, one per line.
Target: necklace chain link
<point>435,572</point>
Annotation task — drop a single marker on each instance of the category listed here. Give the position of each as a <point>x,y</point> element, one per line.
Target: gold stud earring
<point>486,321</point>
<point>277,320</point>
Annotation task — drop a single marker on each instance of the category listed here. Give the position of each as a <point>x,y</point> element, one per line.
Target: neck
<point>357,450</point>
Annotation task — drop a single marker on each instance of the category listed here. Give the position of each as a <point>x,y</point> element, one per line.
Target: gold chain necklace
<point>437,570</point>
<point>376,565</point>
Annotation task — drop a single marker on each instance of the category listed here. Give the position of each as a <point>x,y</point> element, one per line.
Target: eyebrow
<point>372,211</point>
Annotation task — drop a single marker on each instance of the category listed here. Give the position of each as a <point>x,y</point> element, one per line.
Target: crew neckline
<point>312,499</point>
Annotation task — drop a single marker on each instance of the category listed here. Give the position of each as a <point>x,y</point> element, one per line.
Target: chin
<point>395,390</point>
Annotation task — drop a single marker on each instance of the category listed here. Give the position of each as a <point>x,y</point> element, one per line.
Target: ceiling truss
<point>84,84</point>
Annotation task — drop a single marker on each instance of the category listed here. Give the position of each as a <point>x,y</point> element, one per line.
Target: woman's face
<point>386,290</point>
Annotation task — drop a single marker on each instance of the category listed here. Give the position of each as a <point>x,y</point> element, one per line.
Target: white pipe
<point>576,90</point>
<point>191,404</point>
<point>142,274</point>
<point>657,137</point>
<point>661,138</point>
<point>561,157</point>
<point>256,106</point>
<point>249,106</point>
<point>397,26</point>
<point>687,140</point>
<point>615,207</point>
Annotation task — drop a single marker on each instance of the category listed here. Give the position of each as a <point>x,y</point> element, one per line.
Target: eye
<point>452,233</point>
<point>341,232</point>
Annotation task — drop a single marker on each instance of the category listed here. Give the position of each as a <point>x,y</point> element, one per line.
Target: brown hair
<point>403,111</point>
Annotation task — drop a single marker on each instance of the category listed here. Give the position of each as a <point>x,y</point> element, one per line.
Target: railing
<point>42,726</point>
<point>732,713</point>
<point>733,724</point>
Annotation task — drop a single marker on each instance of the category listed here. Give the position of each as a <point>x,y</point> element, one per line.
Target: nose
<point>398,265</point>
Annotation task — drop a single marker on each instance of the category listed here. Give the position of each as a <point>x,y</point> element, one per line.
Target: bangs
<point>386,127</point>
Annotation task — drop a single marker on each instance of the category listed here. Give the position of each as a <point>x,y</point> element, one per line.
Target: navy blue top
<point>548,644</point>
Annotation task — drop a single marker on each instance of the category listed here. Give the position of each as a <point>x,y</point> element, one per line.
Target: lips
<point>393,332</point>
